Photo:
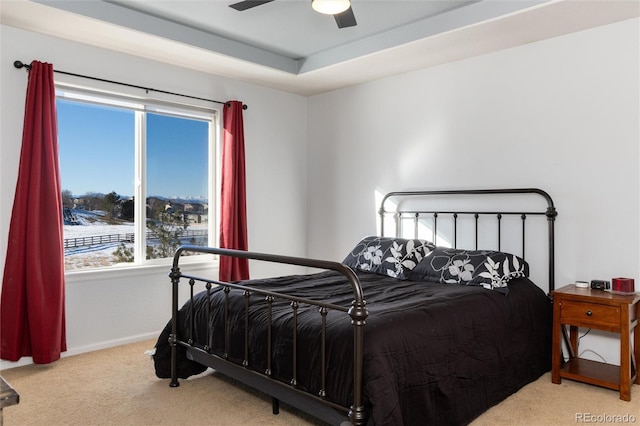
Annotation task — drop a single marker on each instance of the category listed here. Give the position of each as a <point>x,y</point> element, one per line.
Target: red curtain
<point>233,211</point>
<point>32,316</point>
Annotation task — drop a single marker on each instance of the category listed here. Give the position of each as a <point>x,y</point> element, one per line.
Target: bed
<point>406,330</point>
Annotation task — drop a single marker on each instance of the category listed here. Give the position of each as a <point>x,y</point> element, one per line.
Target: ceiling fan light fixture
<point>330,7</point>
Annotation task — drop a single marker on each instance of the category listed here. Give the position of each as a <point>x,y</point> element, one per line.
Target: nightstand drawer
<point>585,314</point>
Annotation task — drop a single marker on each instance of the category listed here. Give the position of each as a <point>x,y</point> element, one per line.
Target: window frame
<point>155,105</point>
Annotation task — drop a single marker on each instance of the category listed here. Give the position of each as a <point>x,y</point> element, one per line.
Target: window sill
<point>133,271</point>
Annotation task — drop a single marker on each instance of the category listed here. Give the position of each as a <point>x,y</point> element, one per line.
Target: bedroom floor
<point>118,386</point>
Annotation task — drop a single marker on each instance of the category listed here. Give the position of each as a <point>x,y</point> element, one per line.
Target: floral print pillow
<point>395,257</point>
<point>486,268</point>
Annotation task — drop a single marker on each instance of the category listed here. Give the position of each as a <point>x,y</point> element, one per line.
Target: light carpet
<point>118,386</point>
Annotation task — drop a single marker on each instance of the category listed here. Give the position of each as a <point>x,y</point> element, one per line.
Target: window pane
<point>176,183</point>
<point>96,152</point>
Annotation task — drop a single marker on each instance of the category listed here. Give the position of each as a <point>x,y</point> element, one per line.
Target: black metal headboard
<point>423,212</point>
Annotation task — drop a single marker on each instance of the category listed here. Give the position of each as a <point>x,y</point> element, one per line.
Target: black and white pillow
<point>486,268</point>
<point>395,257</point>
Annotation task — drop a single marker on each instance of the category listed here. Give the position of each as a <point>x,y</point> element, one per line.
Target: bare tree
<point>67,199</point>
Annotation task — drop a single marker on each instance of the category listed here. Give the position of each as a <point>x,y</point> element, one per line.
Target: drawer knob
<point>589,313</point>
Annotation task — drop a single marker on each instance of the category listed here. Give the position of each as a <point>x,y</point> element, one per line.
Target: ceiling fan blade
<point>248,4</point>
<point>346,18</point>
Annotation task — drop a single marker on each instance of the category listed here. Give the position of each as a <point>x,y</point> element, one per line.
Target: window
<point>113,152</point>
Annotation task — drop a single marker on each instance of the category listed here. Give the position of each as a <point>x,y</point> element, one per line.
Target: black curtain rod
<point>20,64</point>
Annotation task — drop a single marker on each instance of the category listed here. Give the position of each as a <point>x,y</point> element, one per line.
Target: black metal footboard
<point>316,405</point>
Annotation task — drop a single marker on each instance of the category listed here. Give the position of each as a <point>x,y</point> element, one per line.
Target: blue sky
<point>96,146</point>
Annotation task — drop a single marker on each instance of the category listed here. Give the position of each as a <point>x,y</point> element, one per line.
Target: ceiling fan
<point>341,10</point>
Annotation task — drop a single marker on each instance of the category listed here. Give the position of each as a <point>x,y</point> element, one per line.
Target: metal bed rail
<point>263,381</point>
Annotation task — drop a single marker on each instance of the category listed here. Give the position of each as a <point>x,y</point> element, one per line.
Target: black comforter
<point>434,354</point>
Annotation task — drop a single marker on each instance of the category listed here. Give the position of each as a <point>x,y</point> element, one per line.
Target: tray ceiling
<point>286,45</point>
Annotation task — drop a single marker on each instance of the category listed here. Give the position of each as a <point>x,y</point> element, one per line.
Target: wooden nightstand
<point>600,310</point>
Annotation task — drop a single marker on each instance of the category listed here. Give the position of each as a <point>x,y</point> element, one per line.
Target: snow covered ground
<point>100,255</point>
<point>90,224</point>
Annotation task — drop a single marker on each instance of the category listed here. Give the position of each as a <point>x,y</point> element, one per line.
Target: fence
<point>126,238</point>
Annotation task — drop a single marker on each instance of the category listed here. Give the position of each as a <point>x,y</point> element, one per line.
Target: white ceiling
<point>286,45</point>
<point>291,28</point>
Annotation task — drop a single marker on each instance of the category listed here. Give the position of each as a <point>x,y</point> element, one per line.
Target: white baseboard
<point>5,365</point>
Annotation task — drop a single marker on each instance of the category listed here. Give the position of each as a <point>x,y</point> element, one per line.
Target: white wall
<point>561,115</point>
<point>107,309</point>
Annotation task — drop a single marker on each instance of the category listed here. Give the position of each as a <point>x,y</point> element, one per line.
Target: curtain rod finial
<point>244,106</point>
<point>20,64</point>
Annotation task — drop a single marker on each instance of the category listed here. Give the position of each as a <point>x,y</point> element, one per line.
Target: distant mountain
<point>181,200</point>
<point>191,200</point>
